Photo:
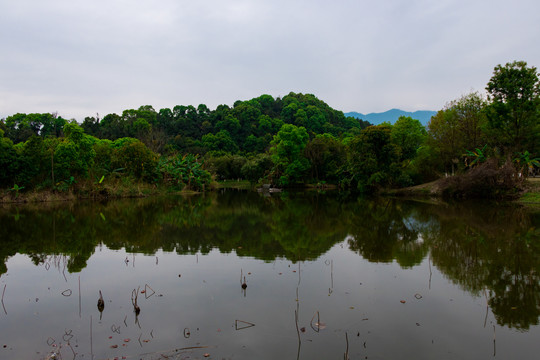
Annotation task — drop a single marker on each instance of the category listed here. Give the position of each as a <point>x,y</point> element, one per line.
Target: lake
<point>240,275</point>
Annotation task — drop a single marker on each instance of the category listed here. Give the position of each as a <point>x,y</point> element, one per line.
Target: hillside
<point>392,115</point>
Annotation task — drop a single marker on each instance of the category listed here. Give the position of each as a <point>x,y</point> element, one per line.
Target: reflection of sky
<point>352,296</point>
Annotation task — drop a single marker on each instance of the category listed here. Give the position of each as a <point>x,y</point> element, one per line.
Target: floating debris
<point>134,296</point>
<point>145,291</point>
<point>100,302</point>
<point>242,327</point>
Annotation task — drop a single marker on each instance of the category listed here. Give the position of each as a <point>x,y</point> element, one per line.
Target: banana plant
<point>185,171</point>
<point>16,188</point>
<point>525,162</point>
<point>478,155</point>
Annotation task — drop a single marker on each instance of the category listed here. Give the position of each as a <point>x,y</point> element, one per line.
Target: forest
<point>297,140</point>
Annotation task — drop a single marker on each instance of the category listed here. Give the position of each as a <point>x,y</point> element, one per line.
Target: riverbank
<point>530,194</point>
<point>100,192</point>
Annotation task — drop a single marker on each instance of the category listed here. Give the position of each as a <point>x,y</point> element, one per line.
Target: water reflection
<point>495,249</point>
<point>490,250</point>
<point>385,230</point>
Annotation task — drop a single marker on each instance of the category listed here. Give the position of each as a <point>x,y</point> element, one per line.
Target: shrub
<point>487,180</point>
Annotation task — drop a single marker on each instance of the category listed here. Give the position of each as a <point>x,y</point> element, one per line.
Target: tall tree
<point>8,161</point>
<point>327,157</point>
<point>287,154</point>
<point>373,160</point>
<point>409,134</point>
<point>457,128</point>
<point>513,117</point>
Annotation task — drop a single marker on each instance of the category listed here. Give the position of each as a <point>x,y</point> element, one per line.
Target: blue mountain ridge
<point>392,115</point>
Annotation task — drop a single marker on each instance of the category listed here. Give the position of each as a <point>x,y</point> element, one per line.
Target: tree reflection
<point>384,230</point>
<point>482,247</point>
<point>300,228</point>
<point>491,247</point>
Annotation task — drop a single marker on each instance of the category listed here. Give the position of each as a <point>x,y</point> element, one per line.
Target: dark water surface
<point>326,275</point>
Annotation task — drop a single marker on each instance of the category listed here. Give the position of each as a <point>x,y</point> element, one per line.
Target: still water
<point>326,277</point>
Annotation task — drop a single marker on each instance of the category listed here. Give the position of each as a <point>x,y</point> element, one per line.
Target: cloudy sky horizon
<point>79,58</point>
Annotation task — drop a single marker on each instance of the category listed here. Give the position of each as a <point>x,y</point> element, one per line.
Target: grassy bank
<point>531,194</point>
<point>234,184</point>
<point>112,190</point>
<point>126,189</point>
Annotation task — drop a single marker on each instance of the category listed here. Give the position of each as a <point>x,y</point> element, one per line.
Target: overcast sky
<point>79,58</point>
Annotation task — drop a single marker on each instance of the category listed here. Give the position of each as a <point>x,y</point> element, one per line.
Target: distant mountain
<point>392,115</point>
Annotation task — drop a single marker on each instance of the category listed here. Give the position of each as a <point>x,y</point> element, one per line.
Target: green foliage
<point>257,168</point>
<point>409,134</point>
<point>8,161</point>
<point>136,159</point>
<point>513,116</point>
<point>185,171</point>
<point>327,156</point>
<point>525,162</point>
<point>306,139</point>
<point>373,160</point>
<point>221,141</point>
<point>477,156</point>
<point>226,166</point>
<point>74,154</point>
<point>34,162</point>
<point>102,161</point>
<point>290,164</point>
<point>16,188</point>
<point>20,127</point>
<point>456,128</point>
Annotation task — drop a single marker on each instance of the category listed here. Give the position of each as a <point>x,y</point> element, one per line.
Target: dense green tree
<point>287,154</point>
<point>135,159</point>
<point>102,160</point>
<point>409,134</point>
<point>222,141</point>
<point>254,144</point>
<point>455,129</point>
<point>257,168</point>
<point>513,115</point>
<point>373,160</point>
<point>231,125</point>
<point>74,154</point>
<point>19,129</point>
<point>34,163</point>
<point>471,112</point>
<point>227,166</point>
<point>91,126</point>
<point>8,161</point>
<point>327,157</point>
<point>112,127</point>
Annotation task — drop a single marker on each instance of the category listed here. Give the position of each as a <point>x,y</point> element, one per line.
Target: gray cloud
<point>79,58</point>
